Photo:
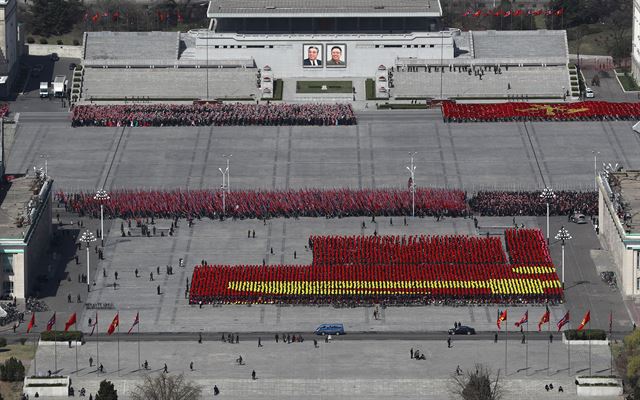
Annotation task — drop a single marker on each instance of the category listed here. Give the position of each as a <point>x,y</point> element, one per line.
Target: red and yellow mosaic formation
<point>394,269</point>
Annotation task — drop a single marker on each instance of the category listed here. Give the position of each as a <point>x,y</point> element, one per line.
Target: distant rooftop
<point>520,44</point>
<point>108,45</point>
<point>323,8</point>
<point>17,200</point>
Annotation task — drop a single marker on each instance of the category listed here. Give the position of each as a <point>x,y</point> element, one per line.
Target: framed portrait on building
<point>336,55</point>
<point>312,55</point>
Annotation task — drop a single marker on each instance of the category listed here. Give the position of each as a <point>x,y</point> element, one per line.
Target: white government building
<point>250,44</point>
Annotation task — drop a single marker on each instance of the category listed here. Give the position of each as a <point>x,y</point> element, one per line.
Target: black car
<point>54,57</point>
<point>462,330</point>
<point>72,66</point>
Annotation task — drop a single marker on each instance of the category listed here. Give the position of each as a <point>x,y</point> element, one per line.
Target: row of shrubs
<point>587,334</point>
<point>31,40</point>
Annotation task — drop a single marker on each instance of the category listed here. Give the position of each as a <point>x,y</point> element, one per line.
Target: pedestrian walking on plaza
<point>136,272</point>
<point>115,274</point>
<point>295,255</point>
<point>411,353</point>
<point>79,299</point>
<point>158,288</point>
<point>158,270</point>
<point>165,369</point>
<point>524,340</point>
<point>276,338</point>
<point>104,272</point>
<point>237,338</point>
<point>550,338</point>
<point>191,365</point>
<point>495,338</point>
<point>315,343</point>
<point>259,343</point>
<point>69,298</point>
<point>249,233</point>
<point>449,342</point>
<point>200,337</point>
<point>253,374</point>
<point>77,259</point>
<point>90,361</point>
<point>253,233</point>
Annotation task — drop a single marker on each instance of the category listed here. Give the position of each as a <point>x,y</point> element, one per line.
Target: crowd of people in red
<point>580,111</point>
<point>323,203</point>
<point>267,204</point>
<point>392,270</point>
<point>393,250</point>
<point>503,203</point>
<point>212,114</point>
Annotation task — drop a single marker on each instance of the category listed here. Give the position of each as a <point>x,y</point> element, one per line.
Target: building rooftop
<point>520,44</point>
<point>625,188</point>
<point>19,200</point>
<point>108,45</point>
<point>322,8</point>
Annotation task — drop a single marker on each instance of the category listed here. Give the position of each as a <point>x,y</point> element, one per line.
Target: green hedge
<point>60,336</point>
<point>586,334</point>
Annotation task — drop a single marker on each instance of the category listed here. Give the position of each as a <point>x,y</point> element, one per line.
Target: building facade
<point>9,54</point>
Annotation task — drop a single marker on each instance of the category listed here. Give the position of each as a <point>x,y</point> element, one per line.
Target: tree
<point>166,387</point>
<point>107,391</point>
<point>12,370</point>
<point>477,385</point>
<point>54,17</point>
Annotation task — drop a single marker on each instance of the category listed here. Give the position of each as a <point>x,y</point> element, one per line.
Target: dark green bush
<point>31,40</point>
<point>12,370</point>
<point>60,336</point>
<point>60,42</point>
<point>76,42</point>
<point>586,334</point>
<point>3,342</point>
<point>43,41</point>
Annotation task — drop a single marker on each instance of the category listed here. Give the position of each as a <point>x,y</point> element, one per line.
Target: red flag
<point>517,13</point>
<point>135,322</point>
<point>507,13</point>
<point>477,13</point>
<point>96,17</point>
<point>114,324</point>
<point>71,321</point>
<point>560,12</point>
<point>585,320</point>
<point>544,319</point>
<point>32,323</point>
<point>523,320</point>
<point>502,316</point>
<point>51,322</point>
<point>466,14</point>
<point>563,321</point>
<point>498,13</point>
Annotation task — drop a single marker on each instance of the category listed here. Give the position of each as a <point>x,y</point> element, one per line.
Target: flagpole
<point>118,341</point>
<point>610,339</point>
<point>549,346</point>
<point>569,352</point>
<point>526,345</point>
<point>506,331</point>
<point>138,334</point>
<point>77,356</point>
<point>97,345</point>
<point>589,347</point>
<point>55,346</point>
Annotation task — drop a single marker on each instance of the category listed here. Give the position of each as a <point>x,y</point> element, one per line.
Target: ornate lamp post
<point>88,237</point>
<point>101,196</point>
<point>563,235</point>
<point>548,195</point>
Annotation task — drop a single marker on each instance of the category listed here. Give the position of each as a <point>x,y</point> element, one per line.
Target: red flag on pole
<point>544,319</point>
<point>523,320</point>
<point>135,322</point>
<point>585,320</point>
<point>114,324</point>
<point>32,322</point>
<point>51,323</point>
<point>71,321</point>
<point>563,321</point>
<point>501,317</point>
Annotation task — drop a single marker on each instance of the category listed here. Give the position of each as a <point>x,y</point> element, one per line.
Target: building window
<point>7,287</point>
<point>6,260</point>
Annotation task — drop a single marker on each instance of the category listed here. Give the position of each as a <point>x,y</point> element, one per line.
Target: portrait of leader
<point>312,55</point>
<point>337,54</point>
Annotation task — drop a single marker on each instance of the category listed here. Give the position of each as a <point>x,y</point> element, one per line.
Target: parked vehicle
<point>330,329</point>
<point>462,330</point>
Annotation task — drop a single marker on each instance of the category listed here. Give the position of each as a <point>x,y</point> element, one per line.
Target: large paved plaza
<point>371,154</point>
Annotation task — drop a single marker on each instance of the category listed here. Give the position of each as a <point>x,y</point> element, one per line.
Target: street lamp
<point>563,235</point>
<point>412,170</point>
<point>88,237</point>
<point>548,195</point>
<point>228,156</point>
<point>46,165</point>
<point>595,168</point>
<point>223,188</point>
<point>101,196</point>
